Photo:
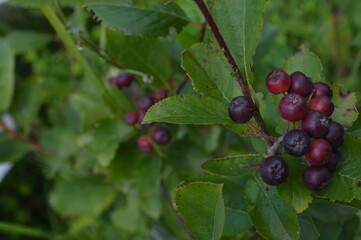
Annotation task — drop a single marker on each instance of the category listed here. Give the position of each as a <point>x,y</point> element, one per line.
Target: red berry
<point>278,81</point>
<point>315,124</point>
<point>240,110</point>
<point>131,118</point>
<point>122,80</point>
<point>144,102</point>
<point>273,170</point>
<point>161,135</point>
<point>316,178</point>
<point>144,144</point>
<point>292,107</point>
<point>322,104</point>
<point>319,150</point>
<point>300,84</point>
<point>322,89</point>
<point>335,135</point>
<point>159,95</point>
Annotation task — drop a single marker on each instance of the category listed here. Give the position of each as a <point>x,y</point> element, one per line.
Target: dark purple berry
<point>300,84</point>
<point>292,107</point>
<point>161,135</point>
<point>273,170</point>
<point>315,124</point>
<point>335,135</point>
<point>322,104</point>
<point>131,118</point>
<point>144,102</point>
<point>278,81</point>
<point>316,178</point>
<point>141,117</point>
<point>332,160</point>
<point>322,89</point>
<point>159,95</point>
<point>240,110</point>
<point>122,80</point>
<point>296,142</point>
<point>144,144</point>
<point>319,150</point>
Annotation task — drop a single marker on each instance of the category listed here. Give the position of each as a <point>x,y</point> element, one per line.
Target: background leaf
<point>202,208</point>
<point>7,78</point>
<point>22,41</point>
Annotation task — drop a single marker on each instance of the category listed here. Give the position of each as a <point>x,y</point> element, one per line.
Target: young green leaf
<point>201,206</point>
<point>135,21</point>
<point>210,73</point>
<point>293,191</point>
<point>231,166</point>
<point>271,216</point>
<point>305,61</point>
<point>188,109</point>
<point>240,23</point>
<point>345,106</point>
<point>7,78</point>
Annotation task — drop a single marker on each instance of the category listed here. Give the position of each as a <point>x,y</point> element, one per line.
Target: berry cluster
<point>308,105</point>
<point>159,135</point>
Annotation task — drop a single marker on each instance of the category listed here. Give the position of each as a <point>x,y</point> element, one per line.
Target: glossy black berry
<point>278,81</point>
<point>300,84</point>
<point>322,104</point>
<point>335,135</point>
<point>131,118</point>
<point>318,151</point>
<point>122,80</point>
<point>161,135</point>
<point>332,161</point>
<point>315,124</point>
<point>159,95</point>
<point>240,110</point>
<point>292,107</point>
<point>322,89</point>
<point>144,102</point>
<point>144,144</point>
<point>316,178</point>
<point>296,142</point>
<point>273,170</point>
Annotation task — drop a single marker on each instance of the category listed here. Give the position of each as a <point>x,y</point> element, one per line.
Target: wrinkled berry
<point>240,110</point>
<point>292,107</point>
<point>278,81</point>
<point>273,170</point>
<point>296,142</point>
<point>315,124</point>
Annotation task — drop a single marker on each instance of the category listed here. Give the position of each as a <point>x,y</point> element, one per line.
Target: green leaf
<point>188,109</point>
<point>27,3</point>
<point>344,184</point>
<point>22,41</point>
<point>230,166</point>
<point>7,78</point>
<point>202,208</point>
<point>271,216</point>
<point>306,62</point>
<point>148,56</point>
<point>103,140</point>
<point>240,23</point>
<point>12,150</point>
<point>345,106</point>
<point>308,228</point>
<point>155,22</point>
<point>26,103</point>
<point>82,196</point>
<point>293,191</point>
<point>17,229</point>
<point>210,73</point>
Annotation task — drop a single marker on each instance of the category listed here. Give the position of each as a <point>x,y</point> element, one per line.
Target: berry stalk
<point>227,53</point>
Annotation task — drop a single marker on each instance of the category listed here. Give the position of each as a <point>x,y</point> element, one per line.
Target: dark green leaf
<point>308,228</point>
<point>230,166</point>
<point>345,106</point>
<point>12,150</point>
<point>210,73</point>
<point>154,22</point>
<point>202,208</point>
<point>271,216</point>
<point>7,66</point>
<point>306,62</point>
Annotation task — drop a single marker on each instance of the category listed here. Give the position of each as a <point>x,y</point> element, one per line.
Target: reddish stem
<point>260,136</point>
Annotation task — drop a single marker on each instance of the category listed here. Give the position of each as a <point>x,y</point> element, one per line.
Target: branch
<point>227,53</point>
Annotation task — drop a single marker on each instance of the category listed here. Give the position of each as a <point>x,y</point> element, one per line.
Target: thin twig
<point>26,139</point>
<point>207,15</point>
<point>260,136</point>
